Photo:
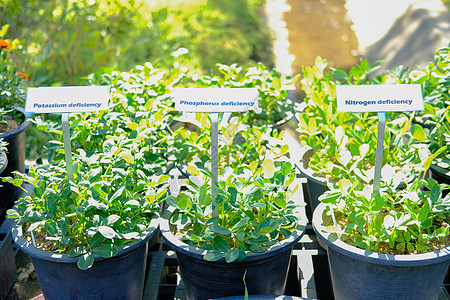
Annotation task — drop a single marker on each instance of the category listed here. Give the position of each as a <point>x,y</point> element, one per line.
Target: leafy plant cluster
<point>238,144</point>
<point>342,142</point>
<point>256,209</point>
<point>433,124</point>
<point>121,157</point>
<point>409,215</point>
<point>273,90</point>
<point>111,201</point>
<point>63,41</point>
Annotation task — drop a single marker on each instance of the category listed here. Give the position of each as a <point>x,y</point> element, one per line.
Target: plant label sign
<point>67,99</point>
<point>215,99</point>
<point>379,97</point>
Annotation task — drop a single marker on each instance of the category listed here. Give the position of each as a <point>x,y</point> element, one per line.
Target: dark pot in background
<point>118,277</point>
<point>440,175</point>
<point>315,186</point>
<point>16,161</point>
<point>266,272</point>
<point>360,274</point>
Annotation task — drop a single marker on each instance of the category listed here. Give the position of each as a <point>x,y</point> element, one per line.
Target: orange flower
<point>4,44</point>
<point>23,75</point>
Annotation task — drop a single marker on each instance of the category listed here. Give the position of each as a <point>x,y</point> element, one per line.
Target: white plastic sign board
<point>215,99</point>
<point>379,98</point>
<point>67,99</point>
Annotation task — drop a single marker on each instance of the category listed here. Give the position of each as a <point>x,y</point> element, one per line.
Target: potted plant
<point>389,245</point>
<point>13,121</point>
<point>88,238</point>
<point>258,222</point>
<point>239,143</point>
<point>339,143</point>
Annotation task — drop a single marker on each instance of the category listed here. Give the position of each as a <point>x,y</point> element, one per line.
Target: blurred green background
<point>63,41</point>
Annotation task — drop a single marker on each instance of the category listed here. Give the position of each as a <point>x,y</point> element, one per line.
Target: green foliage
<point>343,142</point>
<point>273,88</point>
<point>3,145</point>
<point>433,126</point>
<point>111,201</point>
<point>12,93</point>
<point>66,40</point>
<point>139,106</point>
<point>255,210</point>
<point>120,160</point>
<point>398,220</point>
<point>238,144</point>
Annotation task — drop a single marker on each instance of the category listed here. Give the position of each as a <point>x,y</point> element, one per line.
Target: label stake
<point>214,160</point>
<point>379,153</point>
<point>67,147</point>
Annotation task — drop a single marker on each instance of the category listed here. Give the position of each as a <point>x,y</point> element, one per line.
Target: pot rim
<point>198,253</point>
<point>22,127</point>
<point>440,171</point>
<point>405,260</point>
<point>308,172</point>
<point>39,253</point>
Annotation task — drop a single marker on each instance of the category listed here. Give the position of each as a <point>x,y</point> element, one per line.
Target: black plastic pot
<point>315,186</point>
<point>119,277</point>
<point>440,175</point>
<point>360,274</point>
<point>16,161</point>
<point>266,272</point>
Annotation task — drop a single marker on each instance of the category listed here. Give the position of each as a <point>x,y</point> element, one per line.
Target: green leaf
<point>257,248</point>
<point>418,132</point>
<point>423,213</point>
<point>107,232</point>
<point>285,232</point>
<point>216,228</point>
<point>267,225</point>
<point>182,200</point>
<point>96,240</point>
<point>213,255</point>
<point>232,255</point>
<point>86,261</point>
<point>435,193</point>
<point>51,228</point>
<point>268,168</point>
<point>430,158</point>
<point>50,206</point>
<point>220,243</point>
<point>180,220</point>
<point>410,247</point>
<point>78,251</point>
<point>242,223</point>
<point>280,202</point>
<point>108,250</point>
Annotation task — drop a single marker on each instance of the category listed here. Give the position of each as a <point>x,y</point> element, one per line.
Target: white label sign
<point>379,98</point>
<point>215,99</point>
<point>67,99</point>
